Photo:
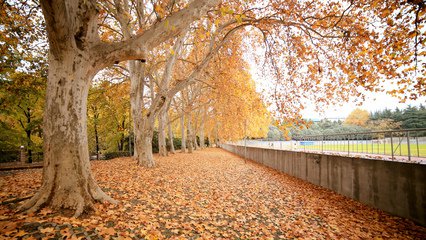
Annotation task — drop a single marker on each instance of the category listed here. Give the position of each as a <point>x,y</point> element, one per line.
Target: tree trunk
<point>216,138</point>
<point>202,136</point>
<point>29,146</point>
<point>209,139</point>
<point>67,179</point>
<point>169,127</point>
<point>196,127</point>
<point>190,138</point>
<point>196,145</point>
<point>96,117</point>
<point>145,157</point>
<point>136,70</point>
<point>28,132</point>
<point>182,127</point>
<point>162,149</point>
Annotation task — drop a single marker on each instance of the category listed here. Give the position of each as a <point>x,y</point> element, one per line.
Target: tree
<point>357,117</point>
<point>275,134</point>
<point>22,75</point>
<point>382,125</point>
<point>25,110</point>
<point>76,54</point>
<point>236,109</point>
<point>413,118</point>
<point>109,116</point>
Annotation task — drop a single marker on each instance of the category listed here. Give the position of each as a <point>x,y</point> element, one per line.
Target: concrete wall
<point>395,187</point>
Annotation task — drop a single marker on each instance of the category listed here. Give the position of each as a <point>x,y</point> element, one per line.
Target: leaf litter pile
<point>210,194</point>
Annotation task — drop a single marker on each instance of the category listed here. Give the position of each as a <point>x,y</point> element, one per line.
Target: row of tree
<point>199,111</point>
<point>183,60</point>
<point>411,117</point>
<point>359,120</point>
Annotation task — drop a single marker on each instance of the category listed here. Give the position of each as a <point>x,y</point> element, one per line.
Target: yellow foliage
<point>358,117</point>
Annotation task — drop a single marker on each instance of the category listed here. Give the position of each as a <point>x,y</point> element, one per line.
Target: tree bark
<point>146,157</point>
<point>202,136</point>
<point>216,138</point>
<point>96,119</point>
<point>29,147</point>
<point>196,145</point>
<point>194,132</point>
<point>209,140</point>
<point>28,131</point>
<point>162,149</point>
<point>182,128</point>
<point>67,179</point>
<point>136,70</point>
<point>170,133</point>
<point>190,137</point>
<point>163,88</point>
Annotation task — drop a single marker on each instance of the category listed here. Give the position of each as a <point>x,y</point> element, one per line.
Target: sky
<point>372,103</point>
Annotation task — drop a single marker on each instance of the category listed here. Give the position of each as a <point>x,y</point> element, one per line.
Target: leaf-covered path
<point>209,194</point>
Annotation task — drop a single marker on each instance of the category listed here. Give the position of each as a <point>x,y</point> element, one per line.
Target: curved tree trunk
<point>67,179</point>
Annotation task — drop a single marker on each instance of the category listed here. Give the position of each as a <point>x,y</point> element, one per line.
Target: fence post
<point>304,144</point>
<point>348,145</point>
<point>392,144</point>
<point>417,144</point>
<point>408,145</point>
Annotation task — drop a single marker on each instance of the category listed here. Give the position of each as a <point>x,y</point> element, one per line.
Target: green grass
<point>382,149</point>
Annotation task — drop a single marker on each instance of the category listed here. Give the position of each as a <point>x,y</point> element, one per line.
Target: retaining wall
<point>395,187</point>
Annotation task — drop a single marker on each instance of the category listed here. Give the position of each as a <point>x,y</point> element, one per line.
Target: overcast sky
<point>373,102</point>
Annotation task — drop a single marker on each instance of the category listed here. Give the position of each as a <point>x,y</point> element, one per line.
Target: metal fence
<point>409,143</point>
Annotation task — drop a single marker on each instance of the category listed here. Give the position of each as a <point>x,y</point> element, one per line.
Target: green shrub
<point>111,155</point>
<point>9,156</point>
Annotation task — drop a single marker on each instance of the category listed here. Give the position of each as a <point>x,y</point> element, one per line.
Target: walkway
<point>209,194</point>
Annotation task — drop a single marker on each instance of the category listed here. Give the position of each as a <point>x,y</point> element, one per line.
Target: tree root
<point>100,195</point>
<point>147,164</point>
<point>16,200</point>
<point>35,203</point>
<point>75,202</point>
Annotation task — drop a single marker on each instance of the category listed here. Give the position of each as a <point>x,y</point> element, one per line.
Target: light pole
<point>22,157</point>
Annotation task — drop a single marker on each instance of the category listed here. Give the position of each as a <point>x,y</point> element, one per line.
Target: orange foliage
<point>209,194</point>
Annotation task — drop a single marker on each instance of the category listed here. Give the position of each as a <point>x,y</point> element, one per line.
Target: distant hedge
<point>9,156</point>
<point>112,155</point>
